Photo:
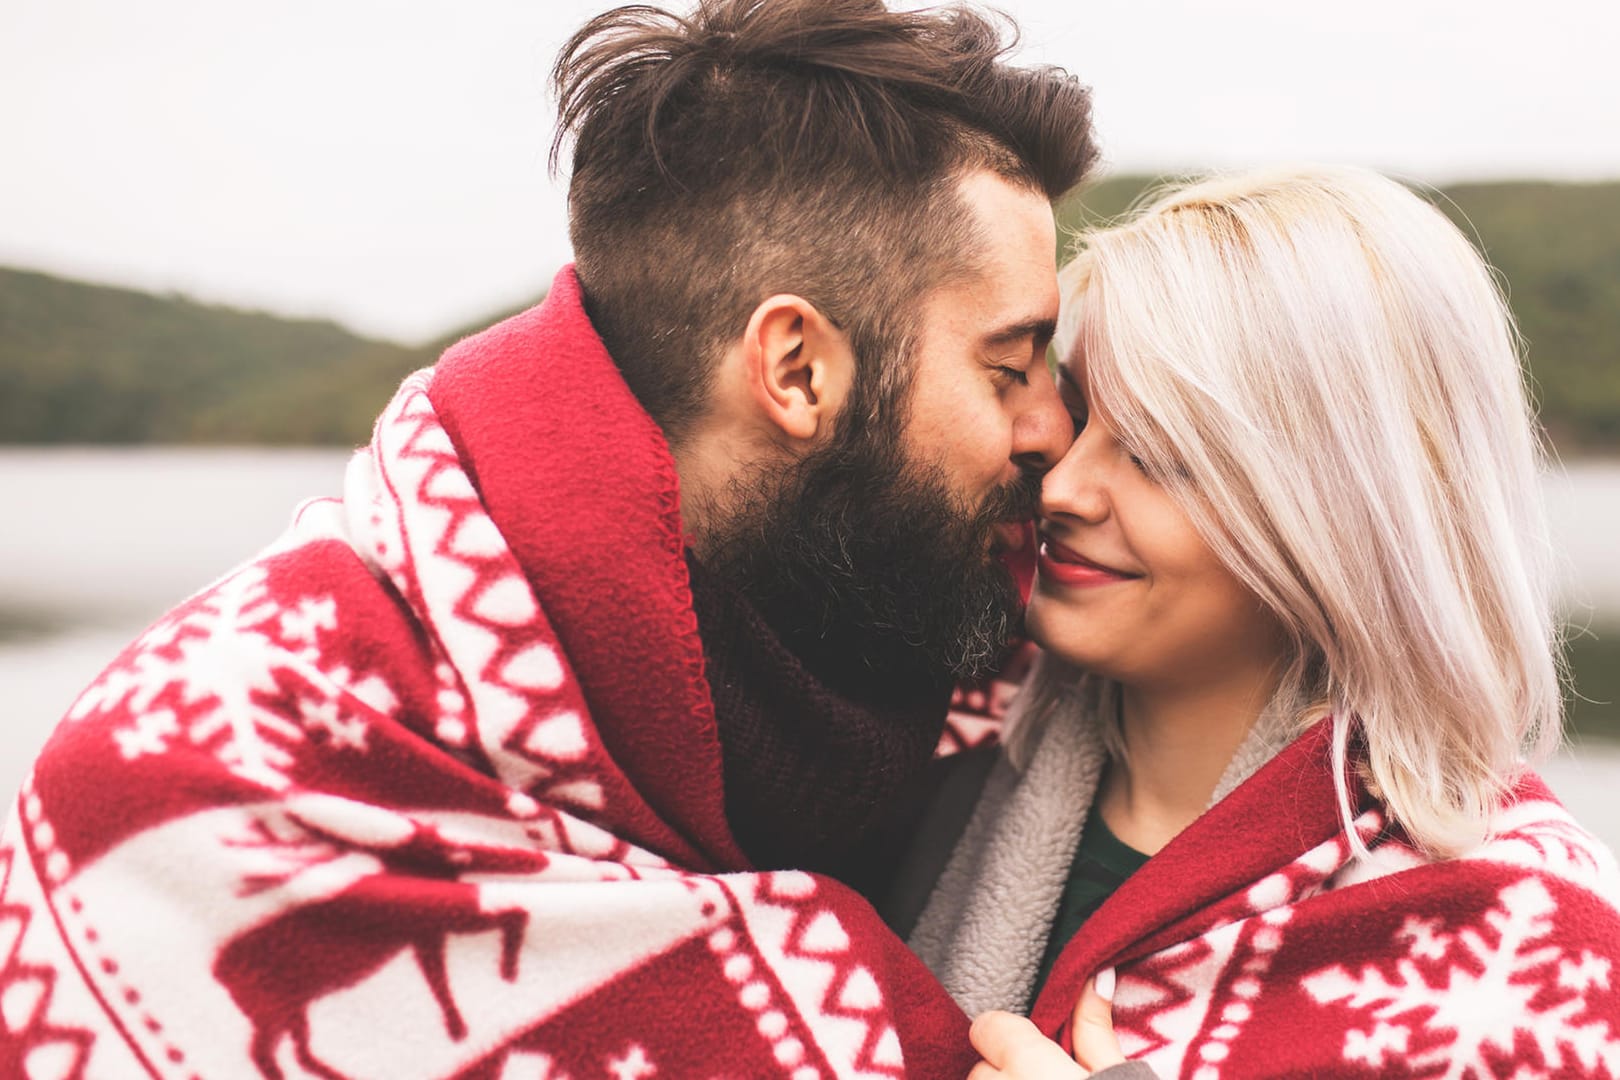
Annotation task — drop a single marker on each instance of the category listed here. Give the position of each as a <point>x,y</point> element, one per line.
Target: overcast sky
<point>384,163</point>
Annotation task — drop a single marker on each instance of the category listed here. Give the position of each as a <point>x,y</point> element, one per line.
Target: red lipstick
<point>1062,566</point>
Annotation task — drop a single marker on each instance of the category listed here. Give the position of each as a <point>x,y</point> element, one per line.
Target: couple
<point>551,748</point>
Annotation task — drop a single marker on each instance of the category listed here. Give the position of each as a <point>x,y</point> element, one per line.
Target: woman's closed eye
<point>1078,413</point>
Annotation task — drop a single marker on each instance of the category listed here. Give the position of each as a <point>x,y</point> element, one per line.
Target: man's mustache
<point>1018,500</point>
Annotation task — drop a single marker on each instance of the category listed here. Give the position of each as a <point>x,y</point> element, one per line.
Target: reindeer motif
<point>415,900</point>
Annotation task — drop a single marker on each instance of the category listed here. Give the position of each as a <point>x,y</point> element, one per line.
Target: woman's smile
<point>1062,565</point>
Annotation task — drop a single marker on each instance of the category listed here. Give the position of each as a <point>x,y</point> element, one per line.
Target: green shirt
<point>1101,864</point>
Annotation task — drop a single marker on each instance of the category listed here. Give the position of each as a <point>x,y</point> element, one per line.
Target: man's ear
<point>799,367</point>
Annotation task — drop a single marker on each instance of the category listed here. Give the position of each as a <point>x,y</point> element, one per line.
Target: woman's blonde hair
<point>1321,369</point>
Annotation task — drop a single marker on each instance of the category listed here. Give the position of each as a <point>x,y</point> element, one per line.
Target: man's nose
<point>1042,430</point>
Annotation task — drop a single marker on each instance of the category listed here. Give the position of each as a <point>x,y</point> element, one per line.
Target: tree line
<point>83,363</point>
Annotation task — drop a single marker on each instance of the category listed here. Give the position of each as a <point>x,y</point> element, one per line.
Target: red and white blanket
<point>1257,944</point>
<point>432,789</point>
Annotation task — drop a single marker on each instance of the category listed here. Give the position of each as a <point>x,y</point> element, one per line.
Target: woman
<point>1295,602</point>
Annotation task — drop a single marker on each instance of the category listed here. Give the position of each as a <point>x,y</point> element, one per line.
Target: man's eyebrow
<point>1040,330</point>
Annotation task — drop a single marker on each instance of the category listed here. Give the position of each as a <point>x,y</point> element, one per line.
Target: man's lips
<point>1068,567</point>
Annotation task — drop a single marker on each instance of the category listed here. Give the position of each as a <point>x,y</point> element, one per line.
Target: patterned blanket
<point>1258,944</point>
<point>432,789</point>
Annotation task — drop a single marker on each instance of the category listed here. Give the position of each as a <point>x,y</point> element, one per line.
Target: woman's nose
<point>1076,487</point>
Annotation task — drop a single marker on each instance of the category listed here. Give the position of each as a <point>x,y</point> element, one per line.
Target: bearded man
<point>517,759</point>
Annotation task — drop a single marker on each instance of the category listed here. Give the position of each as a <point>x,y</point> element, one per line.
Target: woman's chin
<point>1067,635</point>
<point>1089,657</point>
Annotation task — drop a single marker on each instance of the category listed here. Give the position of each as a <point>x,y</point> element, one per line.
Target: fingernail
<point>1105,984</point>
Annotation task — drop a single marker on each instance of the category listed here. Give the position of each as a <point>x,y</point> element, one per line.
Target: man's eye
<point>1013,374</point>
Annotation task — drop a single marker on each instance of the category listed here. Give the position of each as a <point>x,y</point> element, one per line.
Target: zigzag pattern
<point>1161,1015</point>
<point>1154,993</point>
<point>836,996</point>
<point>1261,938</point>
<point>1313,872</point>
<point>740,965</point>
<point>30,1044</point>
<point>505,690</point>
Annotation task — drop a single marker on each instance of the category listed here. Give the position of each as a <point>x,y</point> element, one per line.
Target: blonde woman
<point>1294,597</point>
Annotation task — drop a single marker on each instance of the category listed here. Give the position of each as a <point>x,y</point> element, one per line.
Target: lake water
<point>97,543</point>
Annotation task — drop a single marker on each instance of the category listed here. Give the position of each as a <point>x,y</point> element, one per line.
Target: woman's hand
<point>1014,1049</point>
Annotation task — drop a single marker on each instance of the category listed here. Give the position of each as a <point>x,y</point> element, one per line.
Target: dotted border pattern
<point>756,995</point>
<point>70,912</point>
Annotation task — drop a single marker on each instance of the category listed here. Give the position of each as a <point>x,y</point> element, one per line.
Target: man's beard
<point>870,571</point>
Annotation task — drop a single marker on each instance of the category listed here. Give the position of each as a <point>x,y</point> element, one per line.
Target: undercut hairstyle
<point>811,147</point>
<point>1322,371</point>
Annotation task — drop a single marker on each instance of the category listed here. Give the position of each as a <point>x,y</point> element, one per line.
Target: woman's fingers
<point>1014,1049</point>
<point>1095,1045</point>
<point>995,1035</point>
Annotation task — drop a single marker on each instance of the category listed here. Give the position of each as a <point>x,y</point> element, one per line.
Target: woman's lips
<point>1066,567</point>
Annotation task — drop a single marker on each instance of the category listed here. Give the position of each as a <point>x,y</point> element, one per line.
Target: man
<point>641,604</point>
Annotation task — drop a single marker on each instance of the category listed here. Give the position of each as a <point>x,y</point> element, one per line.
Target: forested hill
<point>86,363</point>
<point>1557,248</point>
<point>90,364</point>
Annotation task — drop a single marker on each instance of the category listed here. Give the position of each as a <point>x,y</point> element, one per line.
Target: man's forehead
<point>1006,290</point>
<point>991,314</point>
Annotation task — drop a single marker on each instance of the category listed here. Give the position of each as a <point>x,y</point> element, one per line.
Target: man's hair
<point>812,147</point>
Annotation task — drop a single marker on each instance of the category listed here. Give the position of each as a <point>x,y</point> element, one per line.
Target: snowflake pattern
<point>632,1065</point>
<point>1541,835</point>
<point>217,674</point>
<point>1487,986</point>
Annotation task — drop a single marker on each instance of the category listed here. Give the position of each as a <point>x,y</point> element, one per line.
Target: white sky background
<point>384,164</point>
